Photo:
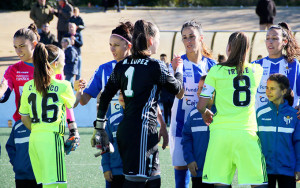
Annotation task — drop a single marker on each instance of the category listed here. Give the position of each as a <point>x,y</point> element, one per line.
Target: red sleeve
<point>9,75</point>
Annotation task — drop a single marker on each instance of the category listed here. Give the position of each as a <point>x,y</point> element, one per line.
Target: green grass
<point>83,168</point>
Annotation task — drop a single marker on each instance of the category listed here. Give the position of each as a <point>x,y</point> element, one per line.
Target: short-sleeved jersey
<point>181,107</point>
<point>97,83</point>
<point>279,65</point>
<point>234,97</point>
<point>47,113</point>
<point>17,75</point>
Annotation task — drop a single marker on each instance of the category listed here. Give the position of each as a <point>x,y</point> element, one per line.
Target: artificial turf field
<point>82,167</point>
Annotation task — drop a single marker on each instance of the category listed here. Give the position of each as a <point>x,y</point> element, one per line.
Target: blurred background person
<point>77,20</point>
<point>47,37</point>
<point>41,13</point>
<point>63,13</point>
<point>221,58</point>
<point>266,10</point>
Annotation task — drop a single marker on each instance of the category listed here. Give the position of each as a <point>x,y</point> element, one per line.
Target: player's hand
<point>176,61</point>
<point>207,116</point>
<point>93,141</point>
<point>72,142</point>
<point>80,84</point>
<point>3,86</point>
<point>193,167</point>
<point>101,137</point>
<point>108,176</point>
<point>163,132</point>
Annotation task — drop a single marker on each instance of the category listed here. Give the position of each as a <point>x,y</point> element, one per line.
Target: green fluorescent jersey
<point>47,113</point>
<point>234,97</point>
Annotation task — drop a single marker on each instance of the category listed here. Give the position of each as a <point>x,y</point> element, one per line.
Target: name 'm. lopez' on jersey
<point>47,113</point>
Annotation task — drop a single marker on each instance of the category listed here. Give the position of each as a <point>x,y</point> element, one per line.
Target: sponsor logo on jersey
<point>266,70</point>
<point>191,89</point>
<point>22,77</point>
<point>287,119</point>
<point>190,102</point>
<point>197,119</point>
<point>263,99</point>
<point>266,119</point>
<point>22,131</point>
<point>188,74</point>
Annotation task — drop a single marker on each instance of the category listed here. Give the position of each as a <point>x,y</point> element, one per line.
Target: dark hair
<point>124,29</point>
<point>29,33</point>
<point>43,56</point>
<point>192,23</point>
<point>221,58</point>
<point>284,83</point>
<point>163,55</point>
<point>292,48</point>
<point>203,77</point>
<point>239,44</point>
<point>141,33</point>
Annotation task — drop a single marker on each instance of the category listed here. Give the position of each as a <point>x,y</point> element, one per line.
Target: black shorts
<point>138,147</point>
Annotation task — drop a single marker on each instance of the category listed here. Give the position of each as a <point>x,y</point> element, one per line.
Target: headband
<point>56,57</point>
<point>121,38</point>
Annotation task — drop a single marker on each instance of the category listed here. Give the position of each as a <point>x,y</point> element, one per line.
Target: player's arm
<point>101,138</point>
<point>11,147</point>
<point>187,147</point>
<point>163,132</point>
<point>172,84</point>
<point>296,142</point>
<point>26,121</point>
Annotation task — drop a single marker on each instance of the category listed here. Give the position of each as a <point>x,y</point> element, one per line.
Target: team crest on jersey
<point>287,70</point>
<point>287,119</point>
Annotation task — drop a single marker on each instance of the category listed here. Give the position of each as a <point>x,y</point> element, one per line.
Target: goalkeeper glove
<point>101,139</point>
<point>72,142</point>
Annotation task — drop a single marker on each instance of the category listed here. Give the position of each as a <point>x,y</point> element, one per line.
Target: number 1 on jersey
<point>129,74</point>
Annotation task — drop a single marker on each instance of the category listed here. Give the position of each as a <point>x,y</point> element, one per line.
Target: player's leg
<point>27,183</point>
<point>272,180</point>
<point>182,174</point>
<point>286,181</point>
<point>197,183</point>
<point>249,159</point>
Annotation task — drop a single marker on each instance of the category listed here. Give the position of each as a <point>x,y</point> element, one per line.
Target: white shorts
<point>176,151</point>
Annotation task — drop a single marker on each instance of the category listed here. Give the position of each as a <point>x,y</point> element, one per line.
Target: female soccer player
<point>47,121</point>
<point>140,79</point>
<point>279,132</point>
<point>283,50</point>
<point>15,77</point>
<point>196,63</point>
<point>120,46</point>
<point>233,140</point>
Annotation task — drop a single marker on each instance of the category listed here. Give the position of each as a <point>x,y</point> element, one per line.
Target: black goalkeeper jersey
<point>140,81</point>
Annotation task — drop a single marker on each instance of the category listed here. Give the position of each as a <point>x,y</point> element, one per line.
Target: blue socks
<point>182,178</point>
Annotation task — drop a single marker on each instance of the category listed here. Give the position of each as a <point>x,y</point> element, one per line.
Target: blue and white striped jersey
<point>279,65</point>
<point>98,82</point>
<point>181,107</point>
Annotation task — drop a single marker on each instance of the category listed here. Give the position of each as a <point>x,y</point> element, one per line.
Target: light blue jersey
<point>98,82</point>
<point>181,107</point>
<point>279,65</point>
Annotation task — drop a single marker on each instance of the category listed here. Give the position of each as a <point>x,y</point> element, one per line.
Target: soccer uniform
<point>112,161</point>
<point>98,82</point>
<point>17,75</point>
<point>181,107</point>
<point>46,145</point>
<point>140,81</point>
<point>278,130</point>
<point>279,65</point>
<point>234,127</point>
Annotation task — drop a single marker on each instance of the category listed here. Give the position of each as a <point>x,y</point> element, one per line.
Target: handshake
<point>100,138</point>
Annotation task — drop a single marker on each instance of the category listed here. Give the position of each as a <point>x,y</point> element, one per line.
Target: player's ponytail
<point>141,33</point>
<point>283,83</point>
<point>238,45</point>
<point>205,51</point>
<point>29,33</point>
<point>292,49</point>
<point>43,57</point>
